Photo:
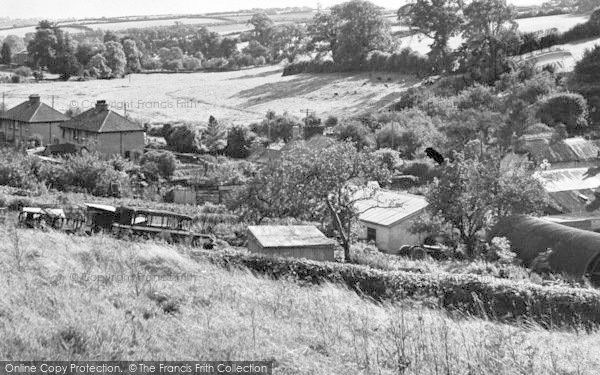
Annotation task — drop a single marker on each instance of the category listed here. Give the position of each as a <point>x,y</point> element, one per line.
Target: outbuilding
<point>574,251</point>
<point>295,241</point>
<point>386,217</point>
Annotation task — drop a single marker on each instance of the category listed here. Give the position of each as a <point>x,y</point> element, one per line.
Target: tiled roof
<point>29,111</point>
<point>388,208</point>
<point>101,121</point>
<point>289,235</point>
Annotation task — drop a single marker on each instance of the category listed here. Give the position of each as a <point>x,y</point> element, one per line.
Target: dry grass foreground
<point>236,97</point>
<point>45,313</point>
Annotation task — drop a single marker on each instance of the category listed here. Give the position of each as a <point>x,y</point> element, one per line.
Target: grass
<point>45,313</point>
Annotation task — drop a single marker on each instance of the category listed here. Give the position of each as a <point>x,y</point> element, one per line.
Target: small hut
<point>295,241</point>
<point>574,251</point>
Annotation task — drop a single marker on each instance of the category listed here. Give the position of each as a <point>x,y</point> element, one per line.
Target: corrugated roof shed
<point>387,208</point>
<point>575,149</point>
<point>100,119</point>
<point>567,179</point>
<point>34,111</point>
<point>584,149</point>
<point>289,236</point>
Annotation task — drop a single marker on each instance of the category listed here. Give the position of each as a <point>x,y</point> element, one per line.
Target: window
<point>371,234</point>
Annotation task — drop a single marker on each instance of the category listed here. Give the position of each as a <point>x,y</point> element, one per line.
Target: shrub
<point>481,296</point>
<point>564,108</point>
<point>163,162</point>
<point>23,71</point>
<point>15,78</point>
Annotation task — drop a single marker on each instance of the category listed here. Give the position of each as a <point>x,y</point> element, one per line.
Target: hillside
<point>49,309</point>
<point>239,96</point>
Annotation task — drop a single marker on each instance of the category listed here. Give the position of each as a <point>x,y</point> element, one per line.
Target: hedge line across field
<point>503,300</point>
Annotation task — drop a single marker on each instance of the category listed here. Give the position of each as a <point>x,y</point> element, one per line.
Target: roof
<point>574,201</point>
<point>567,150</point>
<point>567,179</point>
<point>573,249</point>
<point>157,212</point>
<point>33,112</point>
<point>96,120</point>
<point>388,208</point>
<point>101,207</point>
<point>289,236</point>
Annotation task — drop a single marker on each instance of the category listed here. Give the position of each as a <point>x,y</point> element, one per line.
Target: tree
<point>239,142</point>
<point>314,185</point>
<point>564,108</point>
<point>5,53</point>
<point>15,43</point>
<point>355,132</point>
<point>85,52</point>
<point>263,28</point>
<point>439,20</point>
<point>98,67</point>
<point>323,31</point>
<point>185,138</point>
<point>132,56</point>
<point>488,40</point>
<point>276,127</point>
<point>42,48</point>
<point>586,80</point>
<point>65,62</point>
<point>164,162</point>
<point>361,29</point>
<point>110,36</point>
<point>214,137</point>
<point>115,58</point>
<point>472,194</point>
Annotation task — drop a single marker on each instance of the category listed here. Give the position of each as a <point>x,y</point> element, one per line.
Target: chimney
<point>34,99</point>
<point>101,105</point>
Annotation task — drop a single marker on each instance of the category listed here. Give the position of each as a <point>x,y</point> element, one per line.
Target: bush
<point>162,162</point>
<point>23,71</point>
<point>480,296</point>
<point>564,108</point>
<point>15,78</point>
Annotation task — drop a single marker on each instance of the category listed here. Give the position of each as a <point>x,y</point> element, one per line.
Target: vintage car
<point>169,226</point>
<point>38,217</point>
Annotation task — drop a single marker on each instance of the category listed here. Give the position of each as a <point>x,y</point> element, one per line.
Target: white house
<point>386,217</point>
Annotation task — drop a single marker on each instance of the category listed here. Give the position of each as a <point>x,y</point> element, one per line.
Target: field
<point>77,298</point>
<point>235,97</point>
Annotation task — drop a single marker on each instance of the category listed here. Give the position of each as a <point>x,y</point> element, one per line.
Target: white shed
<point>386,217</point>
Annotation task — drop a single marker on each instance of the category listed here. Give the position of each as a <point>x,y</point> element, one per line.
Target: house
<point>295,241</point>
<point>386,217</point>
<point>20,58</point>
<point>574,251</point>
<point>104,130</point>
<point>31,119</point>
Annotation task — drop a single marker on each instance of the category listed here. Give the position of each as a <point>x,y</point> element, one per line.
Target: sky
<point>60,9</point>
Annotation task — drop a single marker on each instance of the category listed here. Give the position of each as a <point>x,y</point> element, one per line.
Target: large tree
<point>5,53</point>
<point>263,28</point>
<point>115,58</point>
<point>472,193</point>
<point>214,137</point>
<point>361,29</point>
<point>314,185</point>
<point>586,80</point>
<point>437,19</point>
<point>490,33</point>
<point>132,56</point>
<point>42,48</point>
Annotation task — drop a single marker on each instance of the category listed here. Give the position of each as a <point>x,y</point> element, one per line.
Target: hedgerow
<point>490,298</point>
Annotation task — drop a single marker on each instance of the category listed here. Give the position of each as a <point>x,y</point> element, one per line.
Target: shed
<point>575,251</point>
<point>571,191</point>
<point>387,216</point>
<point>294,241</point>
